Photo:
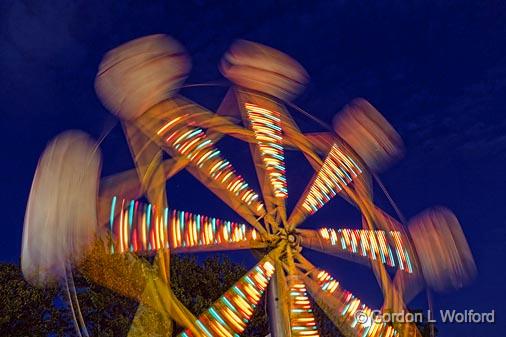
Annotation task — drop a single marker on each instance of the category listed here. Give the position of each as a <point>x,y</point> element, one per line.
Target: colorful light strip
<point>190,230</point>
<point>346,309</point>
<point>373,244</point>
<point>266,125</point>
<point>231,313</point>
<point>302,321</point>
<point>141,227</point>
<point>337,171</point>
<point>327,282</point>
<point>136,227</point>
<point>193,144</point>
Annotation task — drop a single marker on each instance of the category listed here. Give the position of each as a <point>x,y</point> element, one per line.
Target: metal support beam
<point>274,309</point>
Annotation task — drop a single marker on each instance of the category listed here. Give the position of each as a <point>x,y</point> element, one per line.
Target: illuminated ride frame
<point>254,111</point>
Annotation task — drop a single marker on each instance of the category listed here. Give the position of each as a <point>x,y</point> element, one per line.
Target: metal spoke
<point>171,126</point>
<point>346,311</point>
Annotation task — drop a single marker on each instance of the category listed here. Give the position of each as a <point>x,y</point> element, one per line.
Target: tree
<point>30,311</point>
<point>26,310</point>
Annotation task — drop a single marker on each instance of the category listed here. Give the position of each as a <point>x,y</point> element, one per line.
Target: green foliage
<point>105,312</point>
<point>26,310</point>
<point>30,311</point>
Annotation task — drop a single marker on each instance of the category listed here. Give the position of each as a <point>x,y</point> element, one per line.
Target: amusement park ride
<point>77,220</point>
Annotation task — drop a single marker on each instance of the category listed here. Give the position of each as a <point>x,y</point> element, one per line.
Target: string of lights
<point>345,307</point>
<point>193,144</point>
<point>141,227</point>
<point>268,133</point>
<point>190,230</point>
<point>302,321</point>
<point>338,170</point>
<point>231,313</point>
<point>374,244</point>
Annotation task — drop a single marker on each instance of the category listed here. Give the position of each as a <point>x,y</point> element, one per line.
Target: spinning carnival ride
<point>74,219</point>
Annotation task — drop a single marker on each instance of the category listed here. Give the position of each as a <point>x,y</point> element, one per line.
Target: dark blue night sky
<point>435,69</point>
